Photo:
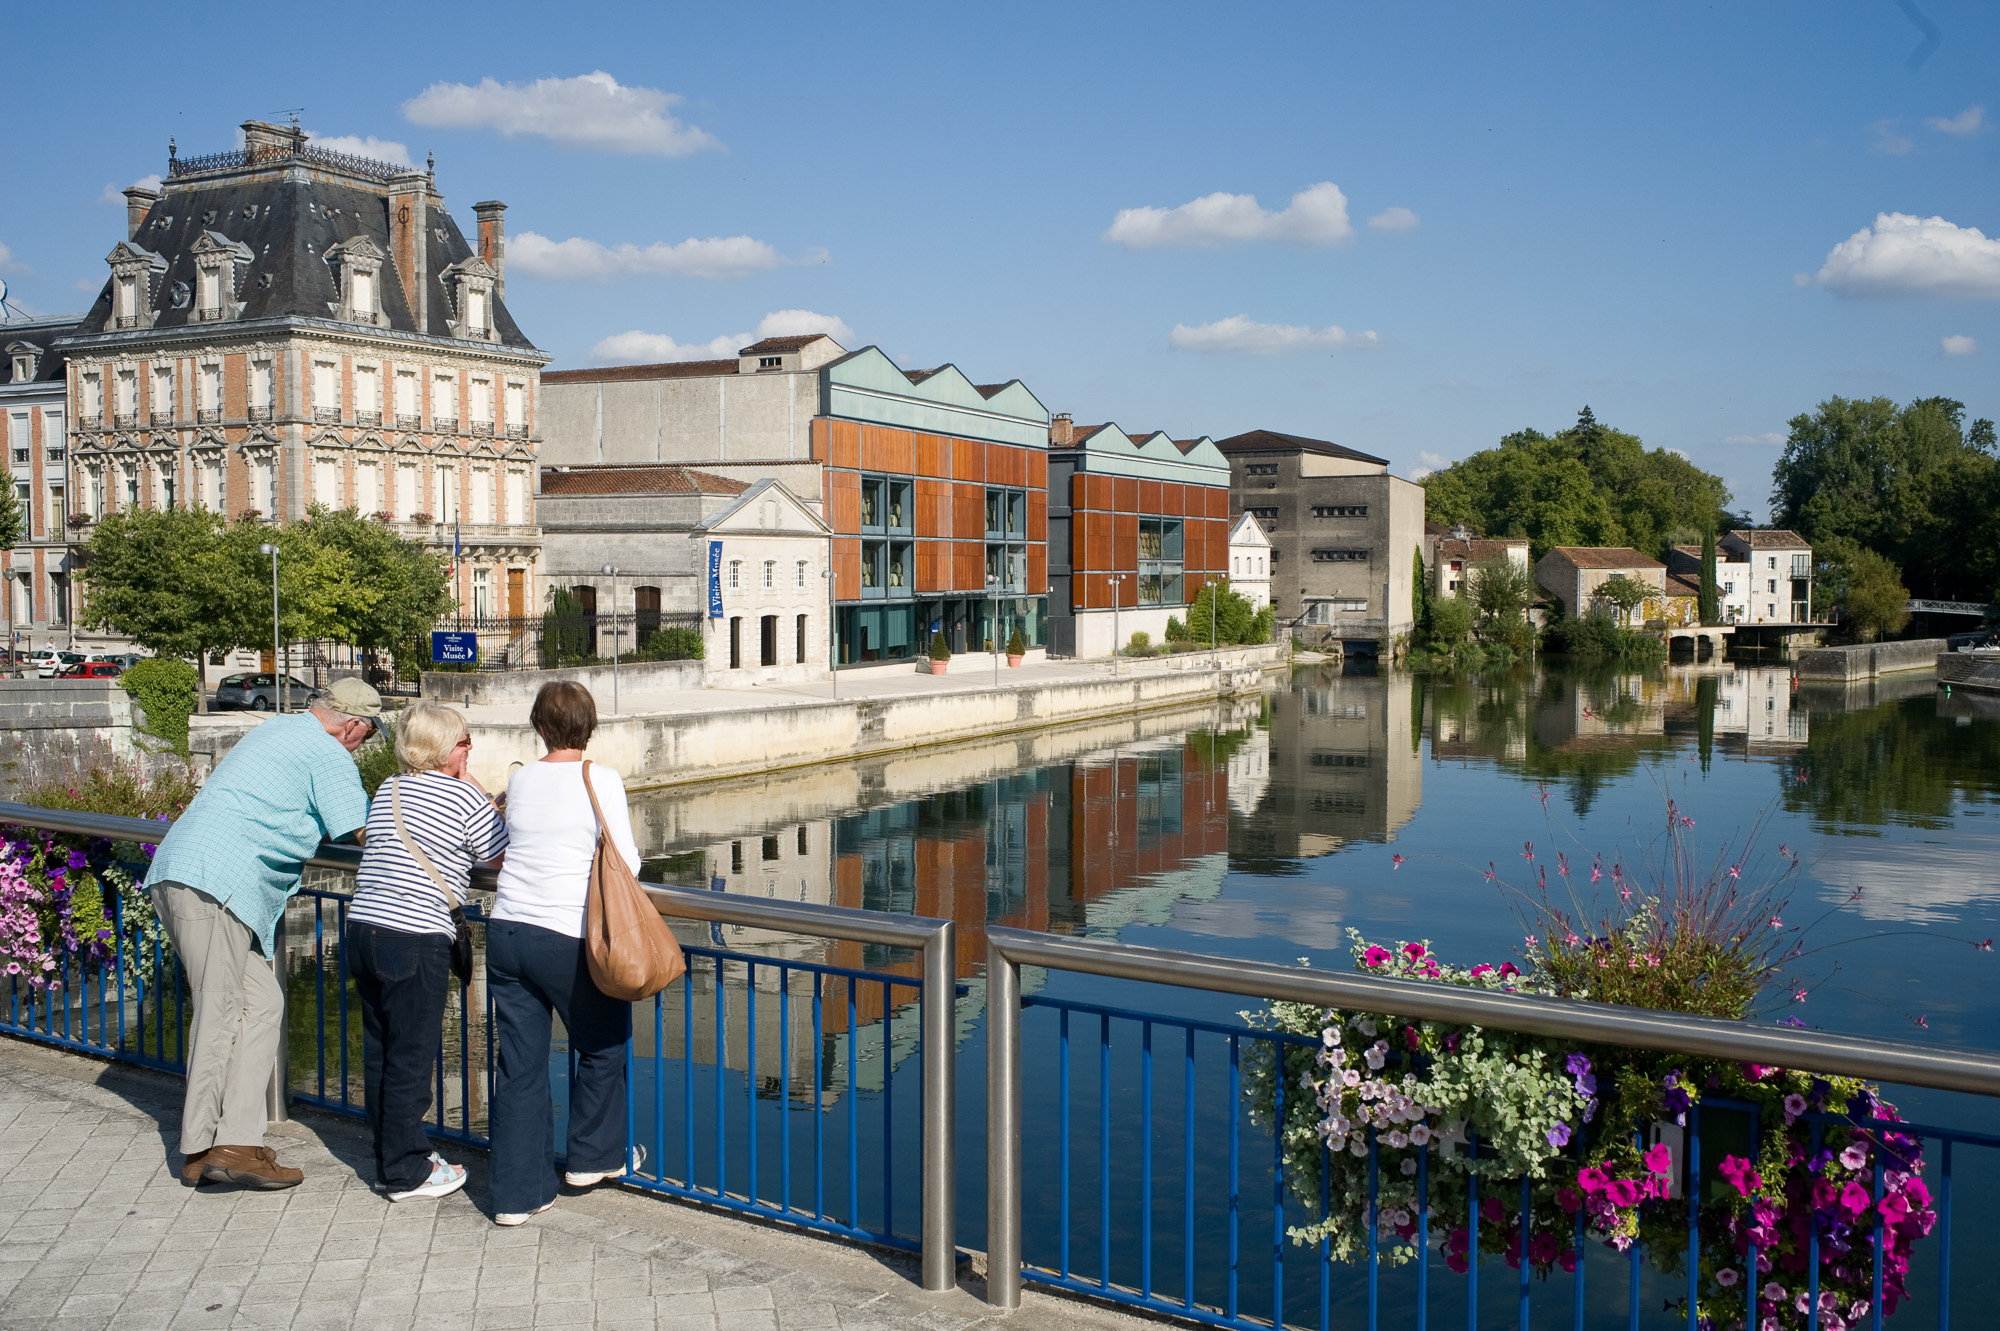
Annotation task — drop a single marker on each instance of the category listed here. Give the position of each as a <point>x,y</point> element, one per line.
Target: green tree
<point>1451,621</point>
<point>1623,591</point>
<point>1866,587</point>
<point>1420,596</point>
<point>1236,620</point>
<point>1710,602</point>
<point>393,589</point>
<point>1588,485</point>
<point>1911,483</point>
<point>13,519</point>
<point>175,582</point>
<point>1501,591</point>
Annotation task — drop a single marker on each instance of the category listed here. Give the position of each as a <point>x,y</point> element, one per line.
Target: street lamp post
<point>277,666</point>
<point>832,648</point>
<point>1116,578</point>
<point>611,571</point>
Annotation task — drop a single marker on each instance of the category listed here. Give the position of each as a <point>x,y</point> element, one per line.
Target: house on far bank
<point>1732,579</point>
<point>1250,561</point>
<point>1571,574</point>
<point>1780,568</point>
<point>1450,555</point>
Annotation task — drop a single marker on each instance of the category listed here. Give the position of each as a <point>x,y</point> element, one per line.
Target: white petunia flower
<point>1409,1167</point>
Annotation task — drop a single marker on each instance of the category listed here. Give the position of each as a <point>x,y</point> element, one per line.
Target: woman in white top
<point>535,965</point>
<point>399,934</point>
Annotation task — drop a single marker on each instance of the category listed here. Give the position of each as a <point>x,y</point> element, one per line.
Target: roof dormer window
<point>357,266</point>
<point>770,362</point>
<point>24,358</point>
<point>135,274</point>
<point>219,264</point>
<point>471,282</point>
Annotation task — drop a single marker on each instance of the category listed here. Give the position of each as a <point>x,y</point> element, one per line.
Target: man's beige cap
<point>354,697</point>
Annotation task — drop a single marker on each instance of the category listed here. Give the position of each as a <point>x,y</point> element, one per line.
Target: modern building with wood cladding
<point>286,326</point>
<point>934,488</point>
<point>1136,522</point>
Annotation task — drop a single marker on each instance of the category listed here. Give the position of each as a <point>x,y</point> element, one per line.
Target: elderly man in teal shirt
<point>220,881</point>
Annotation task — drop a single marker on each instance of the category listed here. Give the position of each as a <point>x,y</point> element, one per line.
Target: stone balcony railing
<point>124,420</point>
<point>404,422</point>
<point>260,413</point>
<point>208,416</point>
<point>444,425</point>
<point>163,418</point>
<point>367,418</point>
<point>483,429</point>
<point>517,432</point>
<point>327,414</point>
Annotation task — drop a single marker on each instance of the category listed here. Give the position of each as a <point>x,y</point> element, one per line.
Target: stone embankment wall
<point>1868,659</point>
<point>522,685</point>
<point>1979,670</point>
<point>55,727</point>
<point>671,747</point>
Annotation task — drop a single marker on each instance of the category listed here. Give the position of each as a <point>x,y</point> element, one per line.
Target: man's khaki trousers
<point>238,1008</point>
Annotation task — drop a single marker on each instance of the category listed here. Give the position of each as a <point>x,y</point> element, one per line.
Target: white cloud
<point>642,348</point>
<point>1430,463</point>
<point>114,194</point>
<point>1768,439</point>
<point>591,111</point>
<point>1888,139</point>
<point>6,258</point>
<point>355,145</point>
<point>1316,216</point>
<point>580,260</point>
<point>1958,344</point>
<point>1965,124</point>
<point>1394,219</point>
<point>1243,336</point>
<point>1914,256</point>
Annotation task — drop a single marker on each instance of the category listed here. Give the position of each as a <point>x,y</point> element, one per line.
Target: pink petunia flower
<point>1622,1192</point>
<point>1375,956</point>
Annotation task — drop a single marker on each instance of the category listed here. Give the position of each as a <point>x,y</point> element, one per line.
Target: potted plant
<point>1017,647</point>
<point>940,653</point>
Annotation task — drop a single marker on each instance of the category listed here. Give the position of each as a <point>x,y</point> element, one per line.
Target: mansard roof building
<point>286,326</point>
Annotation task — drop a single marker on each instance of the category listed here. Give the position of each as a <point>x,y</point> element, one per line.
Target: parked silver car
<point>259,693</point>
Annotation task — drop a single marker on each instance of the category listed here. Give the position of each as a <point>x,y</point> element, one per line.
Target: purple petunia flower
<point>1559,1135</point>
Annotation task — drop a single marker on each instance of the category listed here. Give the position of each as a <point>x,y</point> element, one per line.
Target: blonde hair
<point>425,736</point>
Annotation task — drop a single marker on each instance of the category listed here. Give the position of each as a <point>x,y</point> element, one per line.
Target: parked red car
<point>93,670</point>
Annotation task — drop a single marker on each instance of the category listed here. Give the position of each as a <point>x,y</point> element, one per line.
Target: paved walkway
<point>97,1232</point>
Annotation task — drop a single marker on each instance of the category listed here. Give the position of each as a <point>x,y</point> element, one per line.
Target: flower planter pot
<point>938,667</point>
<point>1013,661</point>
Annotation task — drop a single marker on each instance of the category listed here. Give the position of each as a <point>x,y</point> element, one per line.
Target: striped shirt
<point>455,826</point>
<point>284,787</point>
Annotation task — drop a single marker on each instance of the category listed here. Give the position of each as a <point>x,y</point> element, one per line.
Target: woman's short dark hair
<point>564,714</point>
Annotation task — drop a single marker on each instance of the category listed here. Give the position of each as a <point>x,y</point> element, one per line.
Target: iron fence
<point>550,640</point>
<point>813,1141</point>
<point>1118,1193</point>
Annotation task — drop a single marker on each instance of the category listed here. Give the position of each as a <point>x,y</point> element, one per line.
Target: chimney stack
<point>138,200</point>
<point>262,140</point>
<point>493,241</point>
<point>409,221</point>
<point>1062,430</point>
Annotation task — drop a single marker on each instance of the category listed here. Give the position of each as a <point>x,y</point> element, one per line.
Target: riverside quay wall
<point>59,727</point>
<point>1979,670</point>
<point>1869,659</point>
<point>667,747</point>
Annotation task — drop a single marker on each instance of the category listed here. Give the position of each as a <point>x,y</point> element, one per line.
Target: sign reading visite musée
<point>455,648</point>
<point>715,579</point>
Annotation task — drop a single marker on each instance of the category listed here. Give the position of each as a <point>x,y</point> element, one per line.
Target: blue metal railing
<point>1142,1187</point>
<point>861,1028</point>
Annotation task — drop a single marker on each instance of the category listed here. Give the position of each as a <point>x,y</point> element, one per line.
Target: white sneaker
<point>591,1178</point>
<point>513,1218</point>
<point>446,1178</point>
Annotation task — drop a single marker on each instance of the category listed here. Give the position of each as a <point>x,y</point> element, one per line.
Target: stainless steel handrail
<point>934,939</point>
<point>1007,950</point>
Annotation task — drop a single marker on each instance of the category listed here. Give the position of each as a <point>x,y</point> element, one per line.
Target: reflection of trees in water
<point>1903,761</point>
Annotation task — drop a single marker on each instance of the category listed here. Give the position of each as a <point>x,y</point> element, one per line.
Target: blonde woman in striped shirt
<point>399,934</point>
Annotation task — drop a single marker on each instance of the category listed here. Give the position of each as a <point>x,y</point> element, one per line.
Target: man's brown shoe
<point>249,1167</point>
<point>191,1168</point>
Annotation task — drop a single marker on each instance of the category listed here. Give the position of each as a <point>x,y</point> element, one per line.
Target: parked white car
<point>48,662</point>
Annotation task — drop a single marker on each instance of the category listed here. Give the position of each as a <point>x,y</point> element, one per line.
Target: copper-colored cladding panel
<point>821,434</point>
<point>1218,503</point>
<point>846,446</point>
<point>846,569</point>
<point>933,456</point>
<point>1038,570</point>
<point>968,559</point>
<point>1009,466</point>
<point>1192,583</point>
<point>967,464</point>
<point>933,566</point>
<point>1038,516</point>
<point>1125,548</point>
<point>933,507</point>
<point>1038,469</point>
<point>1171,498</point>
<point>1100,493</point>
<point>1125,495</point>
<point>1149,497</point>
<point>1218,544</point>
<point>1194,545</point>
<point>968,510</point>
<point>883,449</point>
<point>844,501</point>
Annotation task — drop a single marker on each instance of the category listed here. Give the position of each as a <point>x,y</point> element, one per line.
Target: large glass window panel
<point>1170,539</point>
<point>1149,584</point>
<point>996,501</point>
<point>871,503</point>
<point>873,556</point>
<point>996,565</point>
<point>899,506</point>
<point>901,569</point>
<point>1149,538</point>
<point>1017,568</point>
<point>1017,513</point>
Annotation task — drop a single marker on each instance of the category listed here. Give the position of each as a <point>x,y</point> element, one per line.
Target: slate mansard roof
<point>287,212</point>
<point>40,333</point>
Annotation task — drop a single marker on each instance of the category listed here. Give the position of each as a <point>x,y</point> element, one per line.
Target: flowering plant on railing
<point>1392,1114</point>
<point>52,908</point>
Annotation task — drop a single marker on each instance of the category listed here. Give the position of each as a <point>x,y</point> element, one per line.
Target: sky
<point>1410,230</point>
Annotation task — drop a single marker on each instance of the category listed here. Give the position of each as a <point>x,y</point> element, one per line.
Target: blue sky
<point>1667,212</point>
